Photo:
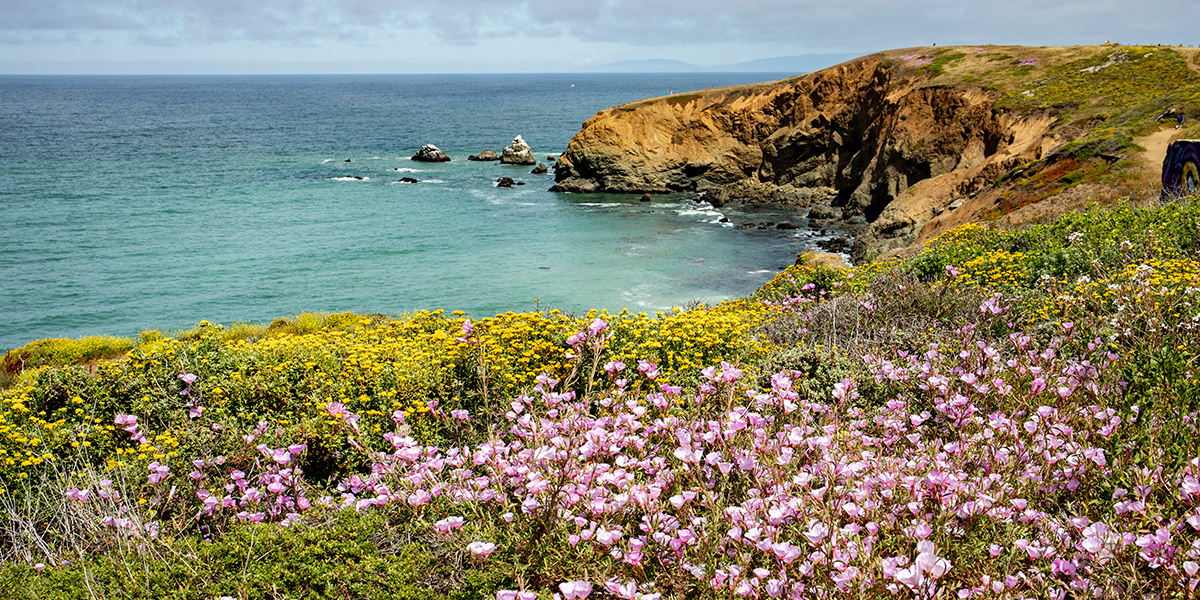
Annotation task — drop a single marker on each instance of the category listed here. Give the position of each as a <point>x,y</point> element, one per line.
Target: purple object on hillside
<point>1181,169</point>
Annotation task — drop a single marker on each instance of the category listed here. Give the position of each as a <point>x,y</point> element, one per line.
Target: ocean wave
<point>351,178</point>
<point>600,204</point>
<point>699,211</point>
<point>432,181</point>
<point>407,170</point>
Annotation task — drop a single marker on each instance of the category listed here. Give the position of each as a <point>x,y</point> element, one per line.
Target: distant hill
<point>802,63</point>
<point>654,65</point>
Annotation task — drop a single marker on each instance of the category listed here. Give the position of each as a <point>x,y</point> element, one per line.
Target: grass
<point>682,98</point>
<point>1126,88</point>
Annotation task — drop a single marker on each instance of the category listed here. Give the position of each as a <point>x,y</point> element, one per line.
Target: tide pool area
<point>133,203</point>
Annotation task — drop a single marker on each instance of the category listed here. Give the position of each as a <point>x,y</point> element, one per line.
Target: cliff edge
<point>892,143</point>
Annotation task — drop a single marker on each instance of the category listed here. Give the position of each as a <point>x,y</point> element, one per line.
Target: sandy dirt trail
<point>1190,55</point>
<point>1156,147</point>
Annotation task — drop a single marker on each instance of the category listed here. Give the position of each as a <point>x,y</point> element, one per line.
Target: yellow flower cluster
<point>997,269</point>
<point>970,234</point>
<point>681,343</point>
<point>289,375</point>
<point>28,437</point>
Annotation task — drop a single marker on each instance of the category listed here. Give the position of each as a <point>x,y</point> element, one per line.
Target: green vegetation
<point>682,98</point>
<point>937,67</point>
<point>61,352</point>
<point>1125,88</point>
<point>94,464</point>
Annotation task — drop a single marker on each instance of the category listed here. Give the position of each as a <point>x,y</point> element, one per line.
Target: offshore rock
<point>518,153</point>
<point>430,153</point>
<point>540,169</point>
<point>484,156</point>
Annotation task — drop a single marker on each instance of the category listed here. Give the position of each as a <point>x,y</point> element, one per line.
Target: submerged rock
<point>518,153</point>
<point>430,153</point>
<point>484,156</point>
<point>507,182</point>
<point>408,180</point>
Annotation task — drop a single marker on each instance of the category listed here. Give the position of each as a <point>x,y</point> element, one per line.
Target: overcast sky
<point>480,36</point>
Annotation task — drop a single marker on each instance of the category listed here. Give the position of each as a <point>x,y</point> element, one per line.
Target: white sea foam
<point>432,181</point>
<point>351,178</point>
<point>407,170</point>
<point>600,204</point>
<point>759,272</point>
<point>328,160</point>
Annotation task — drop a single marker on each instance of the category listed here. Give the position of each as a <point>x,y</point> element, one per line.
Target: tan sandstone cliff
<point>891,142</point>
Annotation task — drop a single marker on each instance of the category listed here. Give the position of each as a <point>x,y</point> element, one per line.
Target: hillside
<point>902,145</point>
<point>1009,413</point>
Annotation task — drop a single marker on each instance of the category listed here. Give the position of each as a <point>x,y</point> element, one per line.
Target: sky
<point>534,36</point>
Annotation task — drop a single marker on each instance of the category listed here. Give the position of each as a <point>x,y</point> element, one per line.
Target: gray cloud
<point>804,25</point>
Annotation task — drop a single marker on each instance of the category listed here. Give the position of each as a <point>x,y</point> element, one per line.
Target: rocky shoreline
<point>893,148</point>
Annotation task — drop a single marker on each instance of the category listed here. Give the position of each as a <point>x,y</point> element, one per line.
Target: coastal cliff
<point>890,143</point>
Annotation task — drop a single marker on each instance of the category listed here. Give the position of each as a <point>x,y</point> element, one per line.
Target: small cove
<point>133,203</point>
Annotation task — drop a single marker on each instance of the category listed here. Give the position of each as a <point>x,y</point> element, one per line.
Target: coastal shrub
<point>330,555</point>
<point>60,352</point>
<point>422,365</point>
<point>682,98</point>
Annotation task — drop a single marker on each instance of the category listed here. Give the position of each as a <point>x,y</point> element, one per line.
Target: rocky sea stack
<point>518,153</point>
<point>485,156</point>
<point>904,144</point>
<point>430,153</point>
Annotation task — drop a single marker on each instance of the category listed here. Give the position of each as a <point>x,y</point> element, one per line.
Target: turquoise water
<point>133,203</point>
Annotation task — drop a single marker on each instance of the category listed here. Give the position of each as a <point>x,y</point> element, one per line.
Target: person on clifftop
<point>1179,119</point>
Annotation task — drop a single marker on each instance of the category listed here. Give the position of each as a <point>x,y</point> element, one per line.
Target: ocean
<point>130,203</point>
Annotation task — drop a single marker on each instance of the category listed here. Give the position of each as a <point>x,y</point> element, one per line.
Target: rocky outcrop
<point>540,169</point>
<point>517,153</point>
<point>854,139</point>
<point>430,153</point>
<point>485,156</point>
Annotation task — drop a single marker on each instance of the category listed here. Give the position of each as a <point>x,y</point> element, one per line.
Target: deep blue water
<point>132,203</point>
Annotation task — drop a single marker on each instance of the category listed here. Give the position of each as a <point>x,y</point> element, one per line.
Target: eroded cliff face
<point>856,138</point>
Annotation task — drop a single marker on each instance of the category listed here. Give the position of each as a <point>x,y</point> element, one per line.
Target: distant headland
<point>902,145</point>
